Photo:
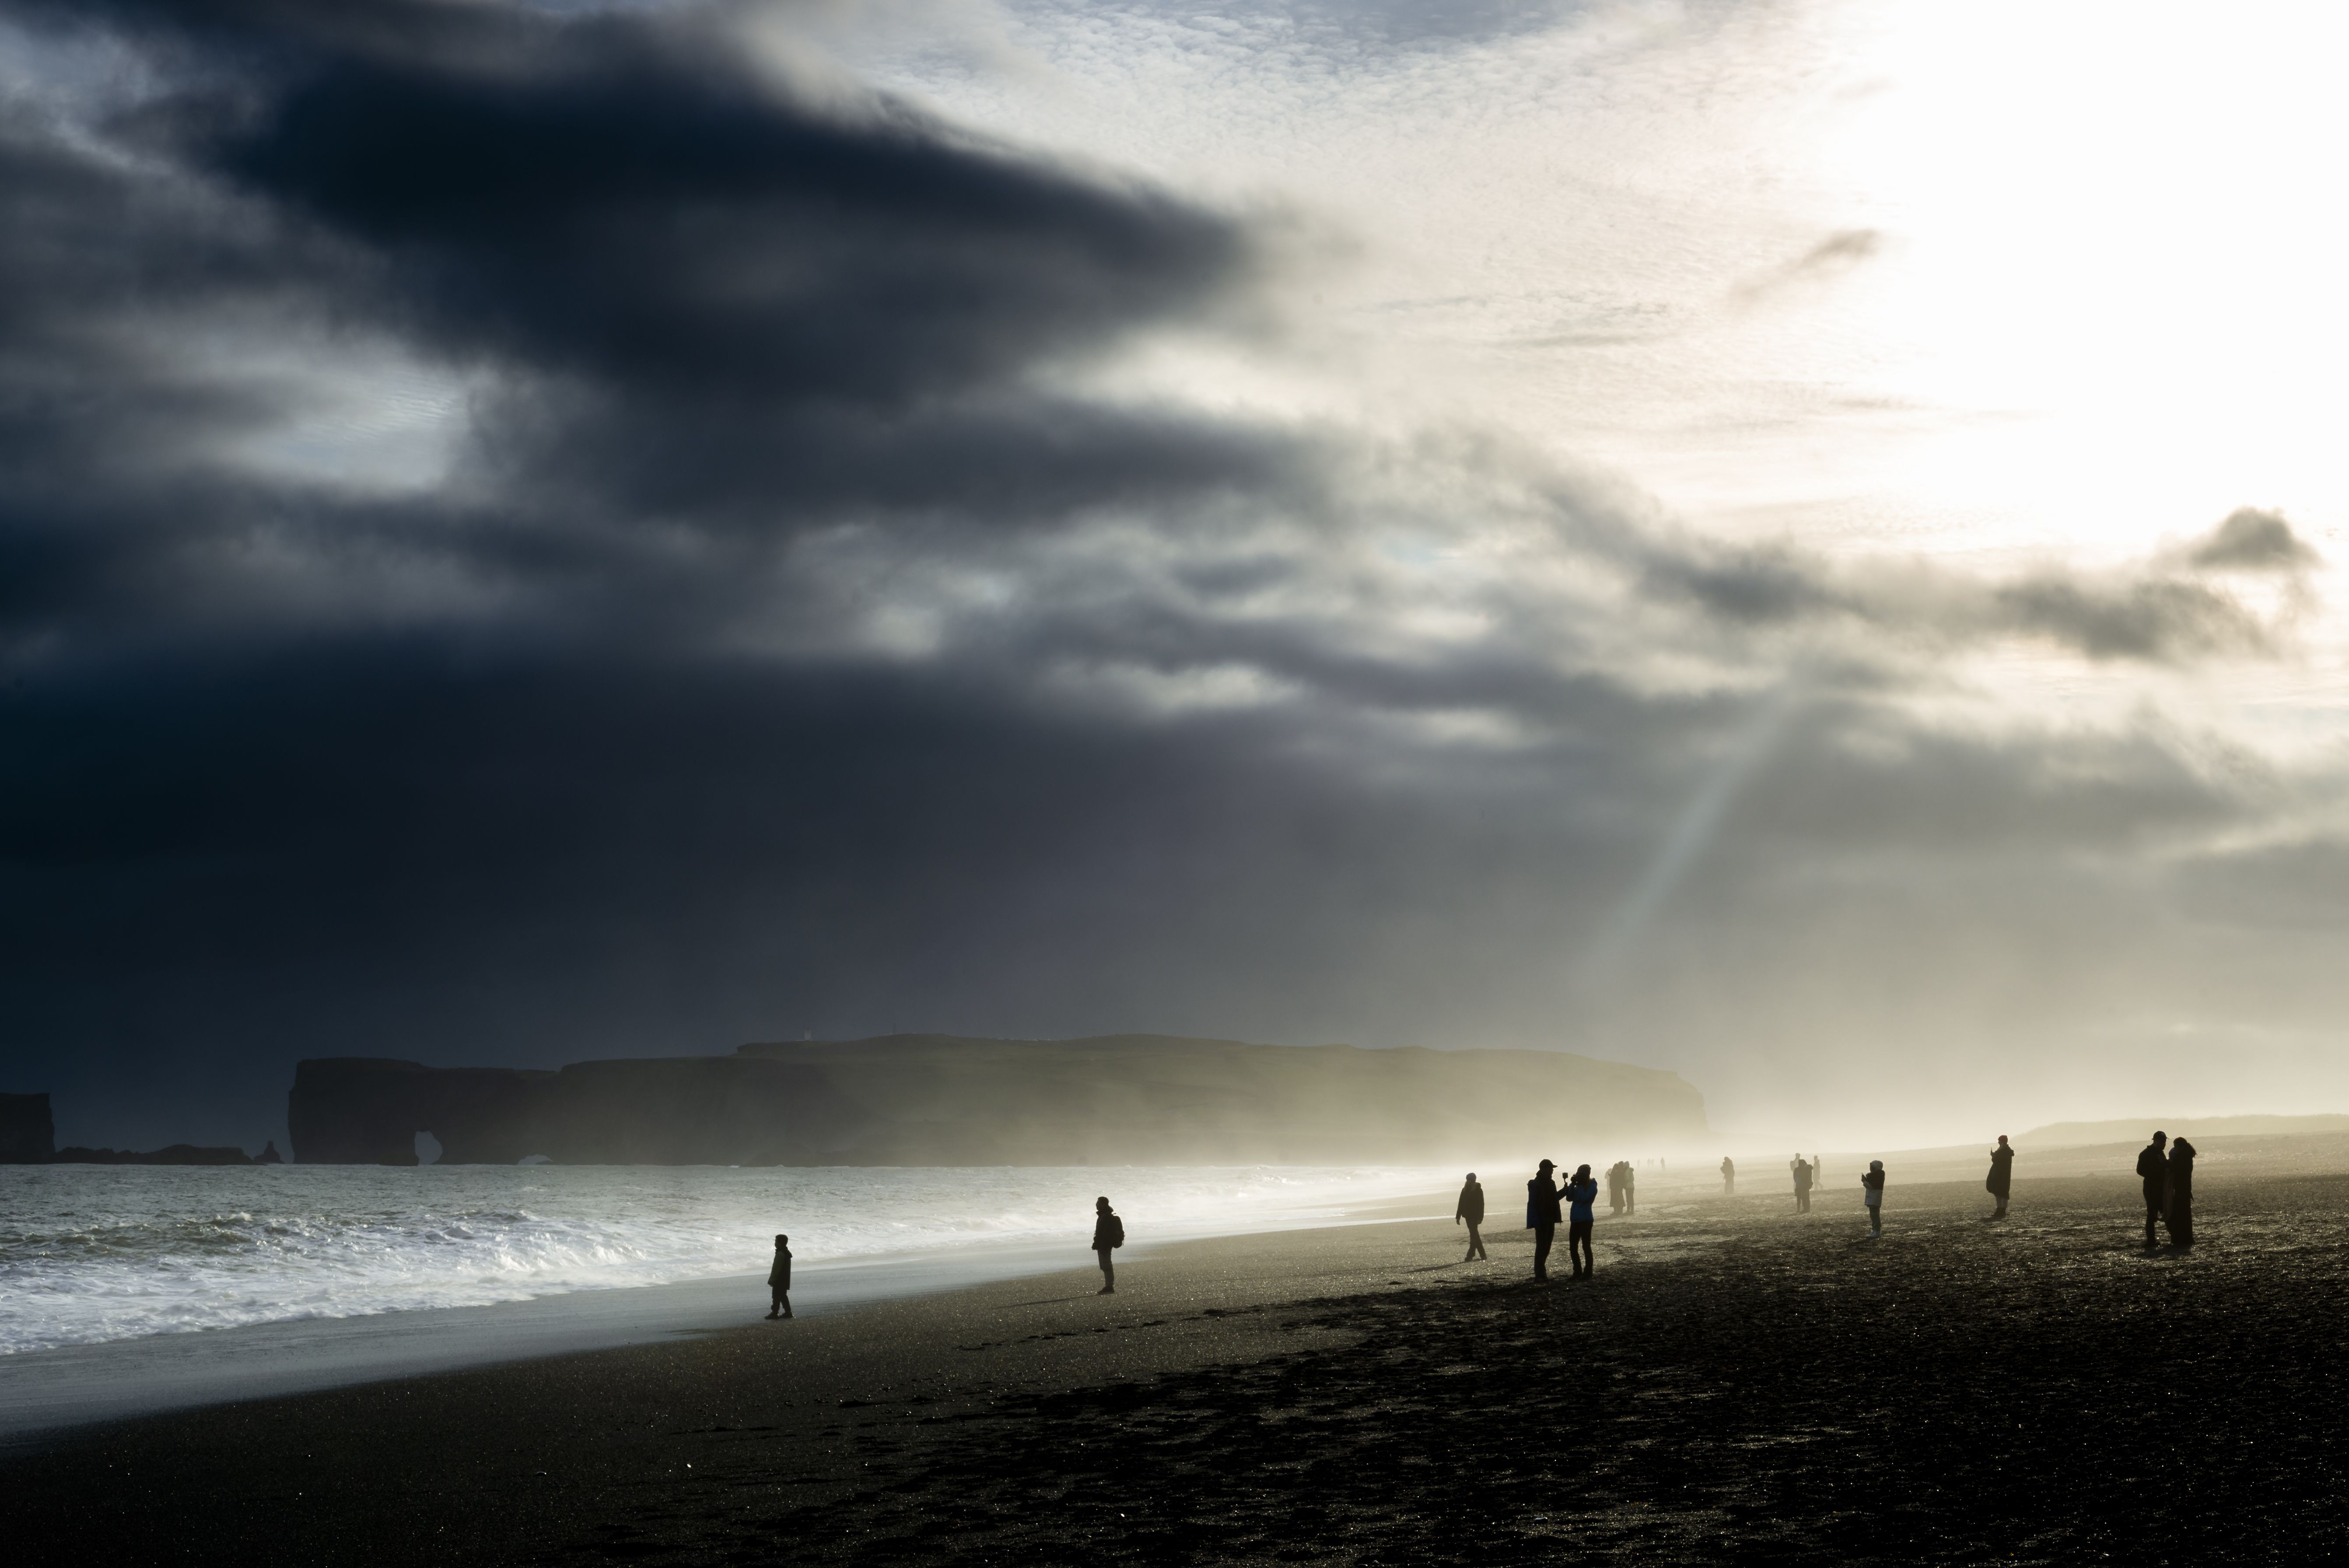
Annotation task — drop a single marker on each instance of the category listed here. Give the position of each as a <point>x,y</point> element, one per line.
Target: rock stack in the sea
<point>937,1099</point>
<point>28,1135</point>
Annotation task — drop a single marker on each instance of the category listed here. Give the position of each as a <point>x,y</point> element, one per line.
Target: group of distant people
<point>1809,1174</point>
<point>2164,1167</point>
<point>1547,1206</point>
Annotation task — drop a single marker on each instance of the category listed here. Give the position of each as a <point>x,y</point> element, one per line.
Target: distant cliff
<point>27,1133</point>
<point>937,1100</point>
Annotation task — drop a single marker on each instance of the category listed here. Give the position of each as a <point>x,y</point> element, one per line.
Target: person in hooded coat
<point>779,1279</point>
<point>1728,1176</point>
<point>1802,1185</point>
<point>2153,1174</point>
<point>2177,1198</point>
<point>1109,1233</point>
<point>1470,1211</point>
<point>1542,1216</point>
<point>1871,1193</point>
<point>2001,1180</point>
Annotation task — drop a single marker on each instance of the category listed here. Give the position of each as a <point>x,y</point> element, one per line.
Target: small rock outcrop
<point>28,1135</point>
<point>176,1154</point>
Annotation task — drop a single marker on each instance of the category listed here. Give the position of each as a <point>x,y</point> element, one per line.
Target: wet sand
<point>1739,1383</point>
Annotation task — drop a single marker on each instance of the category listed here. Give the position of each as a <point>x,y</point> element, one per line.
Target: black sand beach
<point>1739,1383</point>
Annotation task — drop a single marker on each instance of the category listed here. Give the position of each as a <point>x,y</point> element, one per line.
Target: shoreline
<point>48,1393</point>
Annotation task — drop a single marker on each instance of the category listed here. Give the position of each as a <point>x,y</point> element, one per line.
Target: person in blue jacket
<point>1542,1216</point>
<point>1581,1192</point>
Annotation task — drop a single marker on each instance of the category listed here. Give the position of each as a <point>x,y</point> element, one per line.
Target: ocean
<point>97,1252</point>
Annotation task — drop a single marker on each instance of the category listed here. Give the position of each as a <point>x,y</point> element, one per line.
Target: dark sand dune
<point>1739,1385</point>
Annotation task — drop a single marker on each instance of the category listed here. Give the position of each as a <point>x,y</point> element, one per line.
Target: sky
<point>1790,542</point>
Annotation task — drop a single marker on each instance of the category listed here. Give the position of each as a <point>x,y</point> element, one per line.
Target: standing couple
<point>2168,1180</point>
<point>1542,1216</point>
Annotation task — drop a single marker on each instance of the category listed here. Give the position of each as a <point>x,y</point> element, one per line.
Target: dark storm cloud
<point>295,767</point>
<point>2250,540</point>
<point>793,642</point>
<point>608,207</point>
<point>2147,618</point>
<point>2150,613</point>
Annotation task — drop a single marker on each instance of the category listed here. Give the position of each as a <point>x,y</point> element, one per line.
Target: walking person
<point>2153,1174</point>
<point>1542,1217</point>
<point>778,1280</point>
<point>1631,1191</point>
<point>2001,1180</point>
<point>1871,1193</point>
<point>1802,1185</point>
<point>1470,1211</point>
<point>2177,1198</point>
<point>1581,1194</point>
<point>1728,1176</point>
<point>1109,1234</point>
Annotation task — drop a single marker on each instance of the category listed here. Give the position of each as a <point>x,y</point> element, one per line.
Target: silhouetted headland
<point>942,1099</point>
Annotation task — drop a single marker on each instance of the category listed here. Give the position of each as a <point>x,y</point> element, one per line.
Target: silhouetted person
<point>1728,1176</point>
<point>1802,1185</point>
<point>2153,1171</point>
<point>2178,1200</point>
<point>1630,1190</point>
<point>1871,1193</point>
<point>1615,1188</point>
<point>779,1279</point>
<point>2001,1179</point>
<point>1109,1233</point>
<point>1542,1216</point>
<point>1580,1194</point>
<point>1471,1210</point>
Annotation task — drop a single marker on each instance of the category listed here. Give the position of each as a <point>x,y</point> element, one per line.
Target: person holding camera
<point>2001,1180</point>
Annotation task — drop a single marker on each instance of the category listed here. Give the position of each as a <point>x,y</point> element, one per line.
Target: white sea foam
<point>98,1252</point>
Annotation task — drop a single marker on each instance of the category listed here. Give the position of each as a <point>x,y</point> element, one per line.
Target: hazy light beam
<point>1692,833</point>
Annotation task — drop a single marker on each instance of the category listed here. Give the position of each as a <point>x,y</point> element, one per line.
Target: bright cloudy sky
<point>1977,277</point>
